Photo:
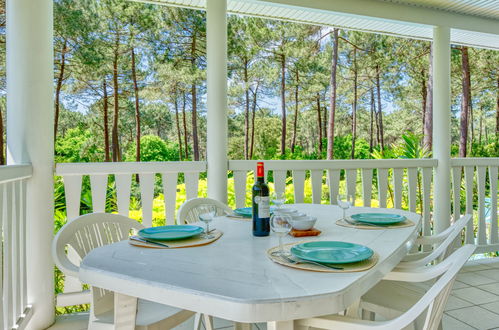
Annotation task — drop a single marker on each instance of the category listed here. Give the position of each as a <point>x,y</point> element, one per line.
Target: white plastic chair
<point>90,231</point>
<point>429,309</point>
<point>191,209</point>
<point>394,295</point>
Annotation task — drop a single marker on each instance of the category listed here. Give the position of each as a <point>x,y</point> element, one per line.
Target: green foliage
<point>77,146</point>
<point>154,149</point>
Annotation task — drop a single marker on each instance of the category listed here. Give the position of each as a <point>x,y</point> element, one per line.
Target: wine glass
<point>344,202</point>
<point>206,217</point>
<point>278,198</point>
<point>280,224</point>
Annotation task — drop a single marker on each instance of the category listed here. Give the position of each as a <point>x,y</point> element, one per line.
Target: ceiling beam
<point>395,12</point>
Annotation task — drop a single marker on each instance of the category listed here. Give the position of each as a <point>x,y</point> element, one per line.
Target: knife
<point>145,240</point>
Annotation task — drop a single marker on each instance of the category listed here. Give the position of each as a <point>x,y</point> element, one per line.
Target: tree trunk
<point>115,138</point>
<point>354,107</point>
<point>58,87</point>
<point>428,107</point>
<point>295,119</point>
<point>177,119</point>
<point>283,104</point>
<point>480,127</point>
<point>185,126</point>
<point>105,111</point>
<point>137,109</point>
<point>380,110</point>
<point>195,141</point>
<point>332,98</point>
<point>465,102</point>
<point>253,113</point>
<point>319,122</point>
<point>2,153</point>
<point>246,110</point>
<point>324,117</point>
<point>371,128</point>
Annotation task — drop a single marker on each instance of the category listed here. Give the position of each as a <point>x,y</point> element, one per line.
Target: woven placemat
<point>347,268</point>
<point>184,243</point>
<point>403,224</point>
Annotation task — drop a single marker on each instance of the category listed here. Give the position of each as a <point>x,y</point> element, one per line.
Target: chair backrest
<point>191,209</point>
<point>442,244</point>
<point>435,299</point>
<point>88,232</point>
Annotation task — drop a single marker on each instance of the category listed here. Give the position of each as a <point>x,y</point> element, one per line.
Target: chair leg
<point>368,315</point>
<point>242,326</point>
<point>125,312</point>
<point>208,322</point>
<point>280,325</point>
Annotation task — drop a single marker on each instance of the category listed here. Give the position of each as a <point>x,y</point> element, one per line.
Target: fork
<point>357,223</point>
<point>296,261</point>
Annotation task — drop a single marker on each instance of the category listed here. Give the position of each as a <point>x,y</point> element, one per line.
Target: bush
<point>154,149</point>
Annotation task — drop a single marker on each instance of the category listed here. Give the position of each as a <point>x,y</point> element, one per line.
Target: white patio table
<point>234,279</point>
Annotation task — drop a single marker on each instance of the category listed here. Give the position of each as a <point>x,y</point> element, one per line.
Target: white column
<point>216,49</point>
<point>30,139</point>
<point>441,127</point>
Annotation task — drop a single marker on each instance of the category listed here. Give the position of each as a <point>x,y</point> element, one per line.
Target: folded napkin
<point>303,233</point>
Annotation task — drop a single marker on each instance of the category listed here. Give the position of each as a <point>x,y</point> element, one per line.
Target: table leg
<point>125,312</point>
<point>242,326</point>
<point>280,325</point>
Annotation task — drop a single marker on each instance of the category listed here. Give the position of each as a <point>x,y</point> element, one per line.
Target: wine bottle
<point>261,207</point>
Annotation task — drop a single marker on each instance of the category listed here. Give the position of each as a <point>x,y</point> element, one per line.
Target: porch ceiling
<point>472,23</point>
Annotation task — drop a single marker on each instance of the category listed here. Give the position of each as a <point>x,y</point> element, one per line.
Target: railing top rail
<point>10,173</point>
<point>474,161</point>
<point>241,165</point>
<point>129,167</point>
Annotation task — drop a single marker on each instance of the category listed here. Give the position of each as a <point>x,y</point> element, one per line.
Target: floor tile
<point>455,303</point>
<point>491,262</point>
<point>474,267</point>
<point>459,285</point>
<point>474,279</point>
<point>450,323</point>
<point>492,288</point>
<point>475,296</point>
<point>490,273</point>
<point>476,316</point>
<point>493,307</point>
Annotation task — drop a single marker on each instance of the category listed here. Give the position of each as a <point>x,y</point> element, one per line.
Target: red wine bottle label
<point>259,170</point>
<point>263,203</point>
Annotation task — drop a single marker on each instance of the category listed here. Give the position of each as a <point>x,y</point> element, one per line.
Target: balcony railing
<point>399,183</point>
<point>15,310</point>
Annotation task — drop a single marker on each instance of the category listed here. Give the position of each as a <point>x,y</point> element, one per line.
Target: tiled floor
<point>473,304</point>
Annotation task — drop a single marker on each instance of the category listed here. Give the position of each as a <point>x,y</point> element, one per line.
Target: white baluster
<point>427,176</point>
<point>382,186</point>
<point>493,239</point>
<point>123,184</point>
<point>147,197</point>
<point>280,180</point>
<point>456,191</point>
<point>333,180</point>
<point>240,178</point>
<point>7,258</point>
<point>316,177</point>
<point>412,179</point>
<point>170,196</point>
<point>351,176</point>
<point>482,229</point>
<point>72,192</point>
<point>191,184</point>
<point>398,175</point>
<point>367,186</point>
<point>468,178</point>
<point>98,184</point>
<point>299,185</point>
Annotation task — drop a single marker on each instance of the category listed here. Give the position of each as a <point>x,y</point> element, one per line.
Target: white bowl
<point>286,211</point>
<point>304,223</point>
<point>297,215</point>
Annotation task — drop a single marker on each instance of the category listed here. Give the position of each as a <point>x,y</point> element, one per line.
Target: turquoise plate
<point>331,252</point>
<point>378,218</point>
<point>168,233</point>
<point>248,211</point>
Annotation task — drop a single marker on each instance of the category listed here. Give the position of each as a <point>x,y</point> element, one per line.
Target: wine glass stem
<point>207,229</point>
<point>281,247</point>
<point>344,214</point>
